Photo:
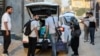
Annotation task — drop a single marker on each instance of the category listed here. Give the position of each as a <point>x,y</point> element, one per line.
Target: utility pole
<point>22,13</point>
<point>94,7</point>
<point>96,11</point>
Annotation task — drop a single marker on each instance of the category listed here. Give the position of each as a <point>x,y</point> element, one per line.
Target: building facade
<point>80,3</point>
<point>2,7</point>
<point>19,15</point>
<point>16,16</point>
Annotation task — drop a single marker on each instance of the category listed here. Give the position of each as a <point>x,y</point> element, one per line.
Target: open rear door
<point>41,8</point>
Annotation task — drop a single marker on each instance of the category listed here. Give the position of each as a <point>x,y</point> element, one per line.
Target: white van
<point>41,9</point>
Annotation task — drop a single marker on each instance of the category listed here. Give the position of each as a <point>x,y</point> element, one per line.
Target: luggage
<point>42,31</point>
<point>45,44</point>
<point>60,45</point>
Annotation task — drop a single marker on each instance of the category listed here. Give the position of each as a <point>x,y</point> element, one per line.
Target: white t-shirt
<point>33,25</point>
<point>92,19</point>
<point>38,23</point>
<point>6,18</point>
<point>49,22</point>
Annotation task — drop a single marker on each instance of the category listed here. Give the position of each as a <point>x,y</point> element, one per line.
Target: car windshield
<point>69,19</point>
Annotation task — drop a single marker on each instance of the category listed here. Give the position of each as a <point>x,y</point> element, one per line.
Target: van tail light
<point>62,29</point>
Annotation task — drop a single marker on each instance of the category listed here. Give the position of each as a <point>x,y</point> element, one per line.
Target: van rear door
<point>41,8</point>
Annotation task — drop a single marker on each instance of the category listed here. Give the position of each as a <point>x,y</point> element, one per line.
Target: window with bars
<point>2,8</point>
<point>35,0</point>
<point>77,0</point>
<point>88,0</point>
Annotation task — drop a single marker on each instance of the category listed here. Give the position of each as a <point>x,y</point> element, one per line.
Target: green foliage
<point>80,11</point>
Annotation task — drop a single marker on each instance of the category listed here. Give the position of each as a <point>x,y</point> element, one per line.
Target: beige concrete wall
<point>80,3</point>
<point>17,18</point>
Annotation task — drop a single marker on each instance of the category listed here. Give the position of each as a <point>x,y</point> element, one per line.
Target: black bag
<point>45,44</point>
<point>58,32</point>
<point>27,27</point>
<point>76,32</point>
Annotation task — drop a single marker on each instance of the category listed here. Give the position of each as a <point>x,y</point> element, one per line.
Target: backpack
<point>76,32</point>
<point>27,28</point>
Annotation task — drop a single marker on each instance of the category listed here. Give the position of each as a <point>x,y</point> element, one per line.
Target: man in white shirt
<point>6,28</point>
<point>33,37</point>
<point>50,26</point>
<point>38,23</point>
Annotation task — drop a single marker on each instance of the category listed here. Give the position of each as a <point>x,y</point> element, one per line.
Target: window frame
<point>3,8</point>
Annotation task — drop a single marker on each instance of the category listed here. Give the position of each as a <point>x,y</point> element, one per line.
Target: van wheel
<point>25,45</point>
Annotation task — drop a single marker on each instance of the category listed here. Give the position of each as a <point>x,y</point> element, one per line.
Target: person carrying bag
<point>60,46</point>
<point>58,32</point>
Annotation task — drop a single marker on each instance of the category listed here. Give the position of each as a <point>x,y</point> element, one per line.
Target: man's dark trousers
<point>7,41</point>
<point>75,45</point>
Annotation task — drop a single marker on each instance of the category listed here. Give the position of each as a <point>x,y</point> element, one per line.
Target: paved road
<point>85,49</point>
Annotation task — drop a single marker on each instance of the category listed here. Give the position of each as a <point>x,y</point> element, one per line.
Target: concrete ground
<point>85,49</point>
